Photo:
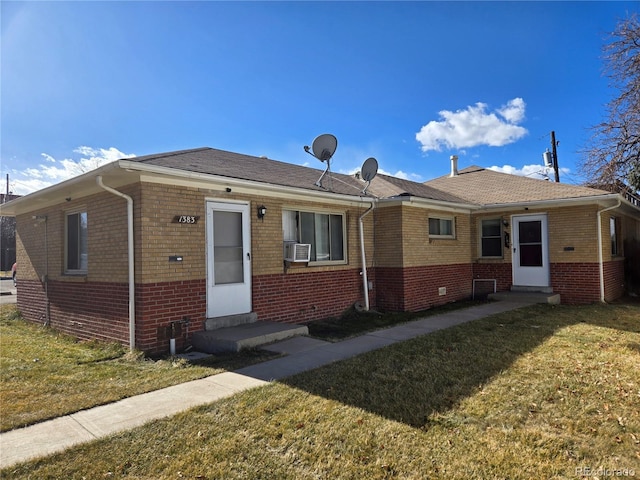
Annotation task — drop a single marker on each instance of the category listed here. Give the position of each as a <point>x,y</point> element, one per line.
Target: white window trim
<point>614,236</point>
<point>321,211</point>
<point>76,271</point>
<point>442,217</point>
<point>480,237</point>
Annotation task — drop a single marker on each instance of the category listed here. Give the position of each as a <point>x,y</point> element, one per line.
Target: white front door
<point>530,250</point>
<point>228,259</point>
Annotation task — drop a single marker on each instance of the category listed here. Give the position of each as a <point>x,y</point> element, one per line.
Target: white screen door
<point>530,251</point>
<point>228,259</point>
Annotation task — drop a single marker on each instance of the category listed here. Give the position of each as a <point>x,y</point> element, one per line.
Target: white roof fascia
<point>562,202</point>
<point>42,198</point>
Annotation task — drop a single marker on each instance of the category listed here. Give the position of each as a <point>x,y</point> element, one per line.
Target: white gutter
<point>132,278</point>
<point>365,281</point>
<point>600,255</point>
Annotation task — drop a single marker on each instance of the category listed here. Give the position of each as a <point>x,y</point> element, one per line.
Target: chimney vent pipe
<point>454,165</point>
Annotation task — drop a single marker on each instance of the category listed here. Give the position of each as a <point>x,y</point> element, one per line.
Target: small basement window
<point>441,227</point>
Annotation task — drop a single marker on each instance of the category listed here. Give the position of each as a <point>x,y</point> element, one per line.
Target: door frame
<point>243,290</point>
<point>530,276</point>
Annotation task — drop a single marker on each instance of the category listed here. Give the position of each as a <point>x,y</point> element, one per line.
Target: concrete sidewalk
<point>302,354</point>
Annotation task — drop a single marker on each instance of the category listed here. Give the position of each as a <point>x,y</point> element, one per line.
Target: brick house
<point>200,234</point>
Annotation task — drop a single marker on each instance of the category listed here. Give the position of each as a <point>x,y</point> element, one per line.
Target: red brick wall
<point>614,285</point>
<point>390,288</point>
<point>416,288</point>
<point>501,272</point>
<point>306,296</point>
<point>577,283</point>
<point>31,300</point>
<point>85,310</point>
<point>182,302</point>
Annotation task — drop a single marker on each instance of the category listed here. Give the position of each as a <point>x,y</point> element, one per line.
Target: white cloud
<point>531,171</point>
<point>474,126</point>
<point>54,171</point>
<point>414,177</point>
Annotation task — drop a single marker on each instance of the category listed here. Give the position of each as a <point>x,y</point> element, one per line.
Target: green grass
<point>536,393</point>
<point>44,374</point>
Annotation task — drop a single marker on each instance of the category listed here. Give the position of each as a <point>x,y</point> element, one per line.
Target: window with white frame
<point>613,230</point>
<point>491,238</point>
<point>325,232</point>
<point>76,258</point>
<point>442,227</point>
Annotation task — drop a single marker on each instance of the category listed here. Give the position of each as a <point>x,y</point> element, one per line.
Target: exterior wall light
<point>262,211</point>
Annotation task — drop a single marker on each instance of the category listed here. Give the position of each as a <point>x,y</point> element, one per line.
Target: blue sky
<point>409,83</point>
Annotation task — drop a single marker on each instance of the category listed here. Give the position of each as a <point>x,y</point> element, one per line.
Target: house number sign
<point>185,219</point>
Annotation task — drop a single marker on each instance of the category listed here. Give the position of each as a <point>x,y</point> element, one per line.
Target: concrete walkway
<point>302,354</point>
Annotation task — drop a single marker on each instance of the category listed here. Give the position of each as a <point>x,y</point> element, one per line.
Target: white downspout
<point>600,254</point>
<point>365,281</point>
<point>132,278</point>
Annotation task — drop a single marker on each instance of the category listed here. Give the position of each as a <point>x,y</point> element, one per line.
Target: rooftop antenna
<point>368,171</point>
<point>323,148</point>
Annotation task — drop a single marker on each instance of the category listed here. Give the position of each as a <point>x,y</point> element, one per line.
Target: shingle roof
<point>246,167</point>
<point>486,187</point>
<point>261,169</point>
<point>474,185</point>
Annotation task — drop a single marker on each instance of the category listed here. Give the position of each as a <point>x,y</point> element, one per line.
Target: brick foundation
<point>84,310</point>
<point>99,310</point>
<point>614,286</point>
<point>501,272</point>
<point>416,288</point>
<point>306,296</point>
<point>577,283</point>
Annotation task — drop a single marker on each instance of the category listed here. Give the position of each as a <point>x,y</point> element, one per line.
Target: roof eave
<point>247,186</point>
<point>428,202</point>
<point>559,202</point>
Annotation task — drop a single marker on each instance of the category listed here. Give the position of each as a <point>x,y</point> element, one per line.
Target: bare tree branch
<point>611,159</point>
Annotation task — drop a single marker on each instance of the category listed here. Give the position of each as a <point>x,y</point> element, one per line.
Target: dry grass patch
<point>535,393</point>
<point>44,374</point>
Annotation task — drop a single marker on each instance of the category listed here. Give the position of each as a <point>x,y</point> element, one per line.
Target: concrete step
<point>230,321</point>
<point>527,289</point>
<point>248,335</point>
<point>527,297</point>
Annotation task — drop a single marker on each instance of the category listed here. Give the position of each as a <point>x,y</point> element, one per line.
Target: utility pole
<point>554,153</point>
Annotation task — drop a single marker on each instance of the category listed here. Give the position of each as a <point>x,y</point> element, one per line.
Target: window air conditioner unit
<point>297,252</point>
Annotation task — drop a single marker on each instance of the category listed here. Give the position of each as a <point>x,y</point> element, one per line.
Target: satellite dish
<point>324,146</point>
<point>369,169</point>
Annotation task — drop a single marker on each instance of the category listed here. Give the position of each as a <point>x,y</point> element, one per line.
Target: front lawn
<point>44,374</point>
<point>541,392</point>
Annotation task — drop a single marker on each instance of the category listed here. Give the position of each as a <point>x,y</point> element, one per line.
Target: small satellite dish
<point>368,171</point>
<point>324,146</point>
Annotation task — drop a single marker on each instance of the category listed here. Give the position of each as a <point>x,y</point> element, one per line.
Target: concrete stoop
<point>243,336</point>
<point>527,297</point>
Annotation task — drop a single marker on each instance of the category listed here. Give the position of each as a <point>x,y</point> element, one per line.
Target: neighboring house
<point>215,234</point>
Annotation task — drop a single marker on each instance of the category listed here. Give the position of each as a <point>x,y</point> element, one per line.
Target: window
<point>324,231</point>
<point>441,227</point>
<point>76,248</point>
<point>491,241</point>
<point>613,230</point>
